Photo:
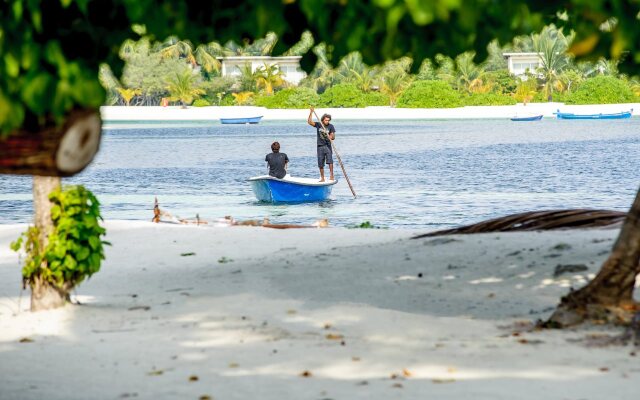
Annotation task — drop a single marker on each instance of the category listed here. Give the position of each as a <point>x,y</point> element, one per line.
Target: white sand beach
<point>113,114</point>
<point>186,312</point>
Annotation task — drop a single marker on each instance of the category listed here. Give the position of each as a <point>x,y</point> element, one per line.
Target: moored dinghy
<point>241,120</point>
<point>619,115</point>
<point>289,189</point>
<point>527,118</point>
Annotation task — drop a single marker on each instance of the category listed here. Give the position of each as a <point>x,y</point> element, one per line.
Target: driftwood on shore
<point>163,216</point>
<point>539,220</point>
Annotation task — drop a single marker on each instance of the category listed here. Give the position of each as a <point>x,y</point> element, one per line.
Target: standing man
<point>326,133</point>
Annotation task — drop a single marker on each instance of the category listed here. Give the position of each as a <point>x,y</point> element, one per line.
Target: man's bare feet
<point>331,178</point>
<point>321,180</point>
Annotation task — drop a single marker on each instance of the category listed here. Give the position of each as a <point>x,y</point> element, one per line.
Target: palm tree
<point>268,77</point>
<point>608,67</point>
<point>127,94</point>
<point>182,87</point>
<point>323,75</point>
<point>551,45</point>
<point>525,91</point>
<point>242,98</point>
<point>446,70</point>
<point>203,56</point>
<point>302,47</point>
<point>468,74</point>
<point>248,78</point>
<point>260,47</point>
<point>394,82</point>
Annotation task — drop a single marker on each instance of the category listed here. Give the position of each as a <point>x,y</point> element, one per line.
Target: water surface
<point>409,174</point>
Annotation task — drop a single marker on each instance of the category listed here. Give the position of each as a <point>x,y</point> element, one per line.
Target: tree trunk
<point>53,151</point>
<point>44,295</point>
<point>609,296</point>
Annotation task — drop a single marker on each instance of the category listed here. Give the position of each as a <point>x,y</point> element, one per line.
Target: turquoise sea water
<point>409,174</point>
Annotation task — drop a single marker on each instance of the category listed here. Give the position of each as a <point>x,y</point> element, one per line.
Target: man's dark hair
<point>275,147</point>
<point>325,116</point>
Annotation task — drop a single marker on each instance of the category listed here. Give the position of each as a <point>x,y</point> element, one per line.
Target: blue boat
<point>531,118</point>
<point>290,190</point>
<point>246,120</point>
<point>620,115</point>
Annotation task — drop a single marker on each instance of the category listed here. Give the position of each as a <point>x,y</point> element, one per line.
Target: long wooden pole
<point>335,150</point>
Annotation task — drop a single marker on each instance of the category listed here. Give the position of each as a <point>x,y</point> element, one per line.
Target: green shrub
<point>74,250</point>
<point>602,90</point>
<point>429,94</point>
<point>299,97</point>
<point>503,81</point>
<point>201,103</point>
<point>488,99</point>
<point>228,100</point>
<point>343,95</point>
<point>557,97</point>
<point>376,99</point>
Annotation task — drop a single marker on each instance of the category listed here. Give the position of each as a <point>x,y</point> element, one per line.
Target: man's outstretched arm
<point>310,118</point>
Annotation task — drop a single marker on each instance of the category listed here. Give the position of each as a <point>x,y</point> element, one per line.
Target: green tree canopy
<point>51,50</point>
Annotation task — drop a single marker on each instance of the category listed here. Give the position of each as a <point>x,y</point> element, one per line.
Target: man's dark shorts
<point>324,155</point>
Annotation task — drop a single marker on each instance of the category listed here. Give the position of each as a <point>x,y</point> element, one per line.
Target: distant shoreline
<point>194,114</point>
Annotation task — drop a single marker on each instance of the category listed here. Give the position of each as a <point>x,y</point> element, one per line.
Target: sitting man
<point>277,161</point>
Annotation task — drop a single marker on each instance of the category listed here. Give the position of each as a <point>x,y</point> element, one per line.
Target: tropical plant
<point>269,77</point>
<point>183,88</point>
<point>551,45</point>
<point>259,47</point>
<point>352,70</point>
<point>296,97</point>
<point>73,252</point>
<point>201,103</point>
<point>323,75</point>
<point>488,99</point>
<point>243,98</point>
<point>427,71</point>
<point>569,80</point>
<point>429,94</point>
<point>468,75</point>
<point>495,59</point>
<point>343,95</point>
<point>634,85</point>
<point>203,55</point>
<point>248,79</point>
<point>525,90</point>
<point>127,94</point>
<point>394,82</point>
<point>302,47</point>
<point>602,90</point>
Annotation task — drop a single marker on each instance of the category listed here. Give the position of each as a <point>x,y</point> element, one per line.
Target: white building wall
<point>519,63</point>
<point>290,66</point>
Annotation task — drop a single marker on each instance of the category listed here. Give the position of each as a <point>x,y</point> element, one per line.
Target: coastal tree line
<point>180,73</point>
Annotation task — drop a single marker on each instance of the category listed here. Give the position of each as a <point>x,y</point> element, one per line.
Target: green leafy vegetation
<point>299,97</point>
<point>74,250</point>
<point>602,90</point>
<point>430,94</point>
<point>488,99</point>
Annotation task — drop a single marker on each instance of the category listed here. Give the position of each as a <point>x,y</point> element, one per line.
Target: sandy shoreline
<point>113,114</point>
<point>368,314</point>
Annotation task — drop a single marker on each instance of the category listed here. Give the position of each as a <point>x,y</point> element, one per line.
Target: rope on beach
<point>539,220</point>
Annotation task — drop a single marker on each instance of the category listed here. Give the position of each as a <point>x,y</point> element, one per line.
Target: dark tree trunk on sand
<point>44,295</point>
<point>609,296</point>
<point>53,151</point>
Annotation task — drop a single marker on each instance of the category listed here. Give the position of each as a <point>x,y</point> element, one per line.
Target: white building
<point>289,65</point>
<point>519,63</point>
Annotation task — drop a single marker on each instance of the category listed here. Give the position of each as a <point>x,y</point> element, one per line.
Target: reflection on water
<point>421,174</point>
